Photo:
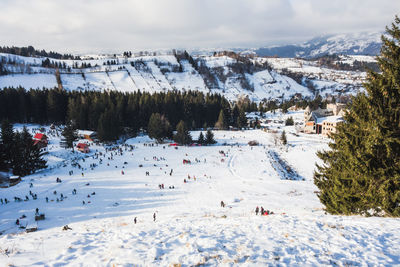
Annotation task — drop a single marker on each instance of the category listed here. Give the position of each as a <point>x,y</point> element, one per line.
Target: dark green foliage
<point>7,145</point>
<point>159,127</point>
<point>132,110</point>
<point>27,157</point>
<point>70,135</point>
<point>289,121</point>
<point>109,128</point>
<point>210,138</point>
<point>19,152</point>
<point>361,171</point>
<point>221,124</point>
<point>201,139</point>
<point>283,138</point>
<point>241,120</point>
<point>182,135</point>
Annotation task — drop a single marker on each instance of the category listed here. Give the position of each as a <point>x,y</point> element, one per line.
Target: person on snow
<point>37,211</point>
<point>222,204</point>
<point>257,210</point>
<point>262,211</point>
<point>134,220</point>
<point>154,216</point>
<point>17,222</point>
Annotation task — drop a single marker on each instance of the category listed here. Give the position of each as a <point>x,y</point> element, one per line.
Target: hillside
<point>225,73</point>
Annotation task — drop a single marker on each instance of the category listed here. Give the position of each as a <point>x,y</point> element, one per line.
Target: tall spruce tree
<point>8,145</point>
<point>221,123</point>
<point>210,137</point>
<point>159,127</point>
<point>361,171</point>
<point>201,139</point>
<point>182,135</point>
<point>70,135</point>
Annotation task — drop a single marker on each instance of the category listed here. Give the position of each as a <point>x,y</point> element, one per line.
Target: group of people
<point>262,211</point>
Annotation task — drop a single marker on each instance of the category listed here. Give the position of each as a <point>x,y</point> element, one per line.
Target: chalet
<point>86,134</point>
<point>40,140</point>
<point>323,121</point>
<point>82,147</point>
<point>329,124</point>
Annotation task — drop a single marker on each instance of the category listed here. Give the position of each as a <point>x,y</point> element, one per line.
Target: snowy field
<point>191,228</point>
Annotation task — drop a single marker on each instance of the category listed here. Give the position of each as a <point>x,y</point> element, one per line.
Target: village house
<point>82,147</point>
<point>323,121</point>
<point>86,134</point>
<point>40,140</point>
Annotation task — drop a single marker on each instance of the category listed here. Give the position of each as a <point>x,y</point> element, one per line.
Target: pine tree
<point>201,139</point>
<point>182,135</point>
<point>283,138</point>
<point>70,135</point>
<point>159,127</point>
<point>361,171</point>
<point>289,121</point>
<point>210,137</point>
<point>221,122</point>
<point>242,120</point>
<point>8,145</point>
<point>27,157</point>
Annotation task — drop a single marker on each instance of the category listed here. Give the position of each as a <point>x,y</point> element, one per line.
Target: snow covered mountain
<point>347,44</point>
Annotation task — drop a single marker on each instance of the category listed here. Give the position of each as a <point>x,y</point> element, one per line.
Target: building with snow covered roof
<point>86,134</point>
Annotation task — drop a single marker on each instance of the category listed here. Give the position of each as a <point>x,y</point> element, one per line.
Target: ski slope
<point>191,228</point>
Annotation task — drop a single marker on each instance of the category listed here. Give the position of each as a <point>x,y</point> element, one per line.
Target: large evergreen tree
<point>159,127</point>
<point>210,137</point>
<point>182,135</point>
<point>361,171</point>
<point>70,135</point>
<point>221,124</point>
<point>27,156</point>
<point>8,145</point>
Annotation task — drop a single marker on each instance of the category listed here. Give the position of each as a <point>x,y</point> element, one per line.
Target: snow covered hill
<point>190,228</point>
<point>366,43</point>
<point>223,74</point>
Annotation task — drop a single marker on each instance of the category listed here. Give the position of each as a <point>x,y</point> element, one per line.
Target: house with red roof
<point>82,147</point>
<point>40,140</point>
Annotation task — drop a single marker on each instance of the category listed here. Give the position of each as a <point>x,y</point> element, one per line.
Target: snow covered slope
<point>231,75</point>
<point>190,228</point>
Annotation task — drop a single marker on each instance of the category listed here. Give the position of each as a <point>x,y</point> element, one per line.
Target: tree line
<point>30,51</point>
<point>114,113</point>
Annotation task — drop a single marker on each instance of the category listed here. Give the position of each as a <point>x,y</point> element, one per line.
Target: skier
<point>222,204</point>
<point>37,211</point>
<point>262,211</point>
<point>134,220</point>
<point>257,209</point>
<point>154,216</point>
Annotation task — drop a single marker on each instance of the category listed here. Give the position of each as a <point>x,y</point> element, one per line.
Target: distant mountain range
<point>346,44</point>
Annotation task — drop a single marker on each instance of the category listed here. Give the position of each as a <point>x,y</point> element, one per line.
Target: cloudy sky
<point>82,26</point>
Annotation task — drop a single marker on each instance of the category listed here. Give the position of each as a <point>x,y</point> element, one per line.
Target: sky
<point>95,26</point>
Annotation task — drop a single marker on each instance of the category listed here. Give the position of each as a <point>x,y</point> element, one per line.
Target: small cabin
<point>88,135</point>
<point>82,147</point>
<point>40,140</point>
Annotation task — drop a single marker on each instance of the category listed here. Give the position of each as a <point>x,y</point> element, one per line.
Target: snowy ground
<point>191,227</point>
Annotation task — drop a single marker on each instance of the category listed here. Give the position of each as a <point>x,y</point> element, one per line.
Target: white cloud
<point>116,25</point>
